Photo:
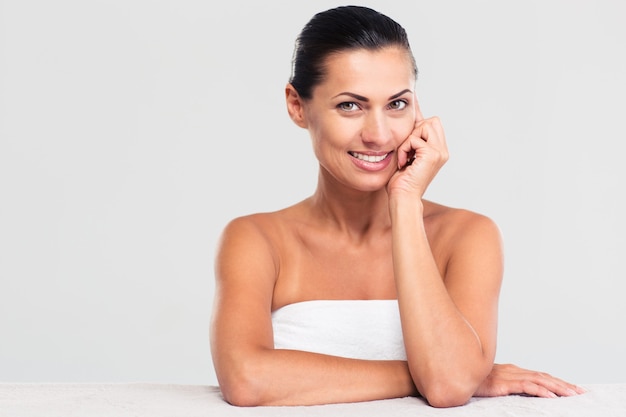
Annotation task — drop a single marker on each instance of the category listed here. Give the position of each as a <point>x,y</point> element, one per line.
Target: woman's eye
<point>348,106</point>
<point>397,105</point>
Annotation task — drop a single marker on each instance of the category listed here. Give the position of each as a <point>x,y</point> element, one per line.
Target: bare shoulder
<point>259,226</point>
<point>247,226</point>
<point>458,222</point>
<point>248,234</point>
<point>256,238</point>
<point>457,232</point>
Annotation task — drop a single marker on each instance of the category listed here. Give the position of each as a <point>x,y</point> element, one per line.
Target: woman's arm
<point>449,321</point>
<point>449,312</point>
<point>249,370</point>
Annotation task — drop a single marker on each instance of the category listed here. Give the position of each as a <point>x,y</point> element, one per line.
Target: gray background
<point>132,131</point>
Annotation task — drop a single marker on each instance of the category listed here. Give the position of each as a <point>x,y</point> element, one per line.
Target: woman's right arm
<point>249,370</point>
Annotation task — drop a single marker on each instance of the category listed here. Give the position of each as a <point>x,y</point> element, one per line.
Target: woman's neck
<point>355,212</point>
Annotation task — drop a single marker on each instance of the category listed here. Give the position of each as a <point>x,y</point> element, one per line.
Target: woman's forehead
<point>362,70</point>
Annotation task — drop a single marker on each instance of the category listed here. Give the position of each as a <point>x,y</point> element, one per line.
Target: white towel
<point>359,329</point>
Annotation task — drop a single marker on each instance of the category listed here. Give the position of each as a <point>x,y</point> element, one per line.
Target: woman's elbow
<point>239,395</point>
<point>449,392</point>
<point>452,389</point>
<point>241,388</point>
<point>446,396</point>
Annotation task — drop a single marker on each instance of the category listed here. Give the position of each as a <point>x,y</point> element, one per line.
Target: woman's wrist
<point>400,204</point>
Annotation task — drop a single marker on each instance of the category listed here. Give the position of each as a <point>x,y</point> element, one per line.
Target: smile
<point>369,158</point>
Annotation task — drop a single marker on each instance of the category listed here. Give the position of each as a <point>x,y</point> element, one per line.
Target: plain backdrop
<point>131,131</point>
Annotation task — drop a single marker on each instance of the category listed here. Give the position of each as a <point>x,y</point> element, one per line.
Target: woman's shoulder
<point>458,224</point>
<point>262,224</point>
<point>439,211</point>
<point>463,240</point>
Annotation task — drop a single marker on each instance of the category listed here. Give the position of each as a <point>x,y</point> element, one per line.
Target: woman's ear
<point>295,106</point>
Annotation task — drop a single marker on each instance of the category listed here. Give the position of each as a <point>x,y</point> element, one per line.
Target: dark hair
<point>339,29</point>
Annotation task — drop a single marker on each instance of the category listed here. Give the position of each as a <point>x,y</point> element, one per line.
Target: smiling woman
<point>349,105</point>
<point>364,290</point>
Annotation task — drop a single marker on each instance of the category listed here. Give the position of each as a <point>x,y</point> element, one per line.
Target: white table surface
<point>171,400</point>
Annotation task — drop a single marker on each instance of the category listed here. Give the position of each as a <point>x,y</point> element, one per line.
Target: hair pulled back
<point>340,29</point>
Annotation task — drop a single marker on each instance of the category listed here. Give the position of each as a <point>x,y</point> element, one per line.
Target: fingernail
<point>571,392</point>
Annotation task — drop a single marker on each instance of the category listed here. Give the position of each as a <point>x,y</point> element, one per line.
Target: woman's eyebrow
<point>406,90</point>
<point>356,96</point>
<point>361,98</point>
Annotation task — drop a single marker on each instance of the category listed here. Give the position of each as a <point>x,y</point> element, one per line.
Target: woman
<point>365,290</point>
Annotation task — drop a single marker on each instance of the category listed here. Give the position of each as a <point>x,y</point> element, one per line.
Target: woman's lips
<point>369,158</point>
<point>371,162</point>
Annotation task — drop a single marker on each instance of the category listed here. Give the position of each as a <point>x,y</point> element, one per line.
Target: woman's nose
<point>376,129</point>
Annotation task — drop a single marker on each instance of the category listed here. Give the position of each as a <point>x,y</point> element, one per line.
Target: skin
<point>366,233</point>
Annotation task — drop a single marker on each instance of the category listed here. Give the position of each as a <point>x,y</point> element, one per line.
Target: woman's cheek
<point>405,130</point>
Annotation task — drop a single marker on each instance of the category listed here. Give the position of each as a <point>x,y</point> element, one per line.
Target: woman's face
<point>362,111</point>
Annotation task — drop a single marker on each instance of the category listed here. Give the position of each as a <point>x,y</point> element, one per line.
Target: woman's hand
<point>510,379</point>
<point>420,157</point>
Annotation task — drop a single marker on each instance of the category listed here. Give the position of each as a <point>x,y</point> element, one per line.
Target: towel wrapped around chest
<point>359,329</point>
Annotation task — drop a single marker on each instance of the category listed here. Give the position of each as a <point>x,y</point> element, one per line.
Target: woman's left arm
<point>448,306</point>
<point>449,301</point>
<point>449,318</point>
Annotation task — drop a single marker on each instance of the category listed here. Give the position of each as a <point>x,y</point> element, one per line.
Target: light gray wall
<point>131,131</point>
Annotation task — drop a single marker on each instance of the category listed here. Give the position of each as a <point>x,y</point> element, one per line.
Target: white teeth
<point>369,158</point>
